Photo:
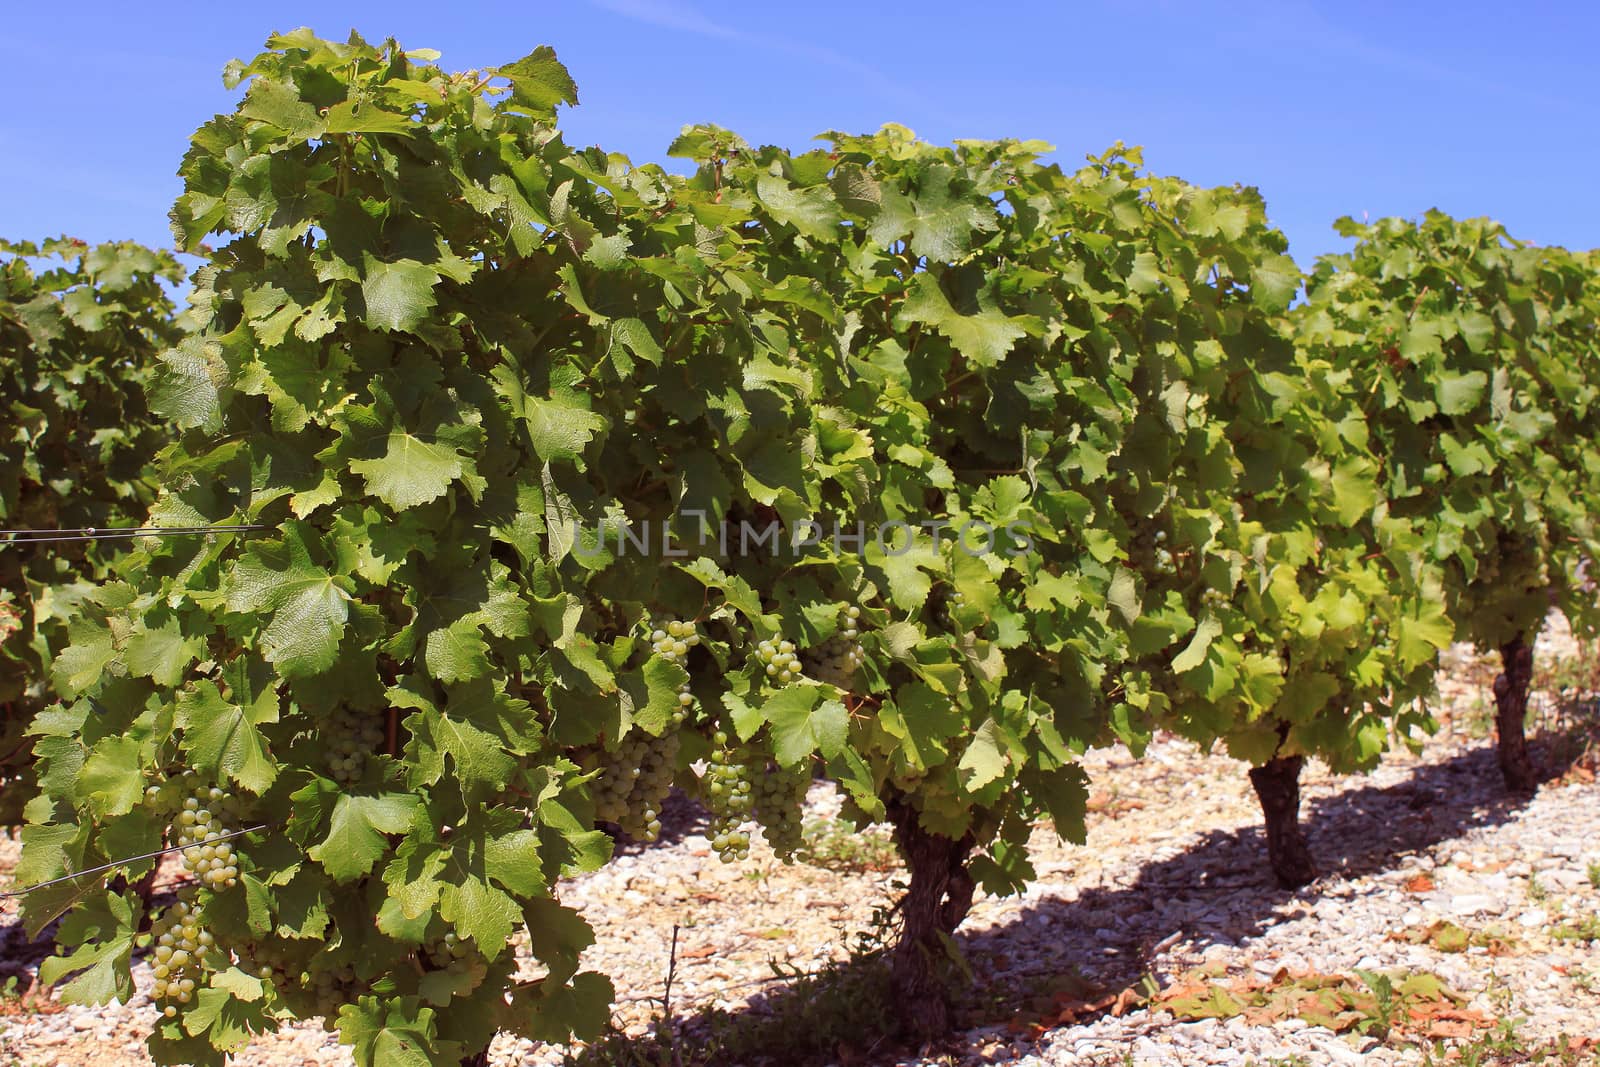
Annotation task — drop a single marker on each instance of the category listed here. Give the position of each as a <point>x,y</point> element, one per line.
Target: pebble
<point>1475,904</point>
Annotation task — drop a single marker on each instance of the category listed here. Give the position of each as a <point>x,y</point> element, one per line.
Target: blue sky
<point>1329,108</point>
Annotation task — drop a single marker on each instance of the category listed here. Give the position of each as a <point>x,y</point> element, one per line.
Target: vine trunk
<point>1511,714</point>
<point>937,900</point>
<point>1277,786</point>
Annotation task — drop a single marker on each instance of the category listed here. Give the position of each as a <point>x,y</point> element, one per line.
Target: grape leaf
<point>357,829</point>
<point>398,295</point>
<point>410,472</point>
<point>307,608</point>
<point>223,737</point>
<point>984,338</point>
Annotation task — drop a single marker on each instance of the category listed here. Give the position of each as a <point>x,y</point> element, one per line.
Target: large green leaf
<point>304,607</point>
<point>356,832</point>
<point>410,472</point>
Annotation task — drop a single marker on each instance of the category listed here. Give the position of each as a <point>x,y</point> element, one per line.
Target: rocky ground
<point>1490,905</point>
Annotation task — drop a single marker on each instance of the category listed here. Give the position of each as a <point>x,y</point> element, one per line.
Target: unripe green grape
<point>779,796</point>
<point>778,660</point>
<point>728,796</point>
<point>350,735</point>
<point>182,944</point>
<point>673,641</point>
<point>836,661</point>
<point>634,782</point>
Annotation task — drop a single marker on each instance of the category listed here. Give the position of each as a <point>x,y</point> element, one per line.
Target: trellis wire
<point>114,533</point>
<point>124,862</point>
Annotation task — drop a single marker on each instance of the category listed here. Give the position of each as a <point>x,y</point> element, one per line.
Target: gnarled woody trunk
<point>1511,714</point>
<point>938,898</point>
<point>1277,785</point>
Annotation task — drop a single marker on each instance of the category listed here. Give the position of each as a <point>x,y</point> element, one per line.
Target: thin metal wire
<point>137,529</point>
<point>124,862</point>
<point>116,533</point>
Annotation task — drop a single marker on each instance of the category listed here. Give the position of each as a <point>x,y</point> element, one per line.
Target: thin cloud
<point>671,15</point>
<point>1302,26</point>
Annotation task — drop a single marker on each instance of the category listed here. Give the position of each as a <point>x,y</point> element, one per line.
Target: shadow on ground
<point>1218,890</point>
<point>680,816</point>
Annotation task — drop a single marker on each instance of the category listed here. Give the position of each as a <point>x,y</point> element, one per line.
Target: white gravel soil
<point>1173,878</point>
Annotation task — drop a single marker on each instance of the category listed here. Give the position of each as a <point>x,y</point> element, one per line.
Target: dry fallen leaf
<point>1126,1001</point>
<point>1073,1009</point>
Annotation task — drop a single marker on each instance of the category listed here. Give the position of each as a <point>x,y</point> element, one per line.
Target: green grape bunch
<point>302,978</point>
<point>729,795</point>
<point>269,961</point>
<point>198,827</point>
<point>779,794</point>
<point>636,778</point>
<point>182,945</point>
<point>331,988</point>
<point>350,736</point>
<point>458,958</point>
<point>779,660</point>
<point>634,782</point>
<point>837,659</point>
<point>673,641</point>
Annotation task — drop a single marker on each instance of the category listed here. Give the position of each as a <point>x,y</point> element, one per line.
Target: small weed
<point>1594,875</point>
<point>1504,1046</point>
<point>1500,994</point>
<point>1536,891</point>
<point>1586,929</point>
<point>838,846</point>
<point>1384,1002</point>
<point>17,999</point>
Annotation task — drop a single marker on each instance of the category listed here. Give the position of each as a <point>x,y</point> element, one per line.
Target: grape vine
<point>80,329</point>
<point>541,450</point>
